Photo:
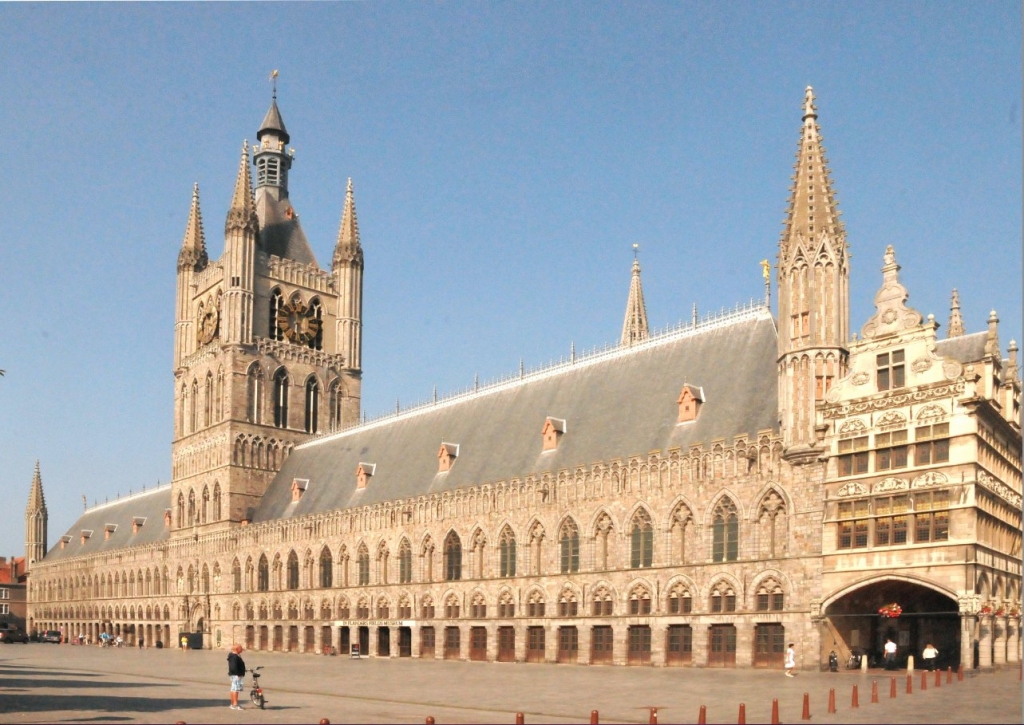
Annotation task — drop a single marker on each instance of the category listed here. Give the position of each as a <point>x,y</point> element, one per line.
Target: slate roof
<point>273,123</point>
<point>280,233</point>
<point>963,349</point>
<point>618,404</point>
<point>149,505</point>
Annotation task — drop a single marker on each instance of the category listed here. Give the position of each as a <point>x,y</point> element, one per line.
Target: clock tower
<point>267,344</point>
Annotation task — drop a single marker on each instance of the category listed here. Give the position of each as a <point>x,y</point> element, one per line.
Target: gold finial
<point>765,269</point>
<point>273,82</point>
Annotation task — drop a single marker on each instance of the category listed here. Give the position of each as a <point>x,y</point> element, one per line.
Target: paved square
<point>47,683</point>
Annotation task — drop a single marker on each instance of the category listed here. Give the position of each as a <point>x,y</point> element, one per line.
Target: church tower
<point>634,327</point>
<point>261,363</point>
<point>36,519</point>
<point>813,279</point>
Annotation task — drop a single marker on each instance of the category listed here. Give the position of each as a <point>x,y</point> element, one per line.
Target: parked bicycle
<point>256,694</point>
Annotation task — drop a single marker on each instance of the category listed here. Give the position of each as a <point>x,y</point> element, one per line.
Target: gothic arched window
<point>326,568</point>
<point>254,394</point>
<point>293,571</point>
<point>725,532</point>
<point>404,562</point>
<point>363,563</point>
<point>263,574</point>
<point>316,312</point>
<point>452,557</point>
<point>236,576</point>
<point>216,502</point>
<point>276,305</point>
<point>312,405</point>
<point>281,398</point>
<point>641,541</point>
<point>507,553</point>
<point>193,408</point>
<point>569,547</point>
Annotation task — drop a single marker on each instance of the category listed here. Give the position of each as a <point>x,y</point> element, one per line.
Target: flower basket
<point>890,611</point>
<point>987,609</point>
<point>1000,612</point>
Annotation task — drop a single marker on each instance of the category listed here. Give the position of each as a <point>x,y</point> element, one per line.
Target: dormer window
<point>137,523</point>
<point>690,401</point>
<point>86,535</point>
<point>64,541</point>
<point>446,456</point>
<point>167,518</point>
<point>552,433</point>
<point>108,529</point>
<point>299,486</point>
<point>363,474</point>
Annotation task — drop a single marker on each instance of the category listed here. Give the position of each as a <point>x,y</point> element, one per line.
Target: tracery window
<point>639,601</point>
<point>281,398</point>
<point>603,604</point>
<point>681,532</point>
<point>254,394</point>
<point>535,604</point>
<point>363,564</point>
<point>335,404</point>
<point>725,531</point>
<point>236,576</point>
<point>770,597</point>
<point>276,305</point>
<point>452,557</point>
<point>723,598</point>
<point>312,405</point>
<point>507,553</point>
<point>404,562</point>
<point>679,599</point>
<point>569,547</point>
<point>208,401</point>
<point>263,574</point>
<point>216,502</point>
<point>427,607</point>
<point>293,571</point>
<point>506,605</point>
<point>641,537</point>
<point>478,607</point>
<point>451,607</point>
<point>568,605</point>
<point>326,568</point>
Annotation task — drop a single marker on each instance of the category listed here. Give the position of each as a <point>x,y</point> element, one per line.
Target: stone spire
<point>193,247</point>
<point>347,249</point>
<point>956,322</point>
<point>36,520</point>
<point>242,214</point>
<point>813,213</point>
<point>634,328</point>
<point>992,338</point>
<point>891,312</point>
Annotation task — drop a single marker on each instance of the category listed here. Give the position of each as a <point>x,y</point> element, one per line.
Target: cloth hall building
<point>699,497</point>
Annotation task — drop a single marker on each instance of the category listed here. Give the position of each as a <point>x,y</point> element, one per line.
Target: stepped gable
<point>619,405</point>
<point>150,505</point>
<point>965,349</point>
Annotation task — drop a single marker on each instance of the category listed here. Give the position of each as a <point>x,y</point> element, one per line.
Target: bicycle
<point>256,694</point>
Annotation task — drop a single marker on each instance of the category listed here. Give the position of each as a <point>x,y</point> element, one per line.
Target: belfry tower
<point>36,519</point>
<point>267,344</point>
<point>813,279</point>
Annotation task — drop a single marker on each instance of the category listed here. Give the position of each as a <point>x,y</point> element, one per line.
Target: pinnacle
<point>634,327</point>
<point>956,322</point>
<point>242,198</point>
<point>347,247</point>
<point>193,247</point>
<point>36,500</point>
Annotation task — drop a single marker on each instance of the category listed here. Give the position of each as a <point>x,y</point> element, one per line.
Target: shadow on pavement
<point>95,703</point>
<point>67,681</point>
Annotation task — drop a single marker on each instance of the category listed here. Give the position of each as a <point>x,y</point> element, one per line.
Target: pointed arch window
<point>236,576</point>
<point>335,405</point>
<point>216,501</point>
<point>182,410</point>
<point>312,405</point>
<point>281,398</point>
<point>569,547</point>
<point>326,568</point>
<point>723,598</point>
<point>193,408</point>
<point>254,394</point>
<point>507,553</point>
<point>640,601</point>
<point>218,397</point>
<point>316,313</point>
<point>191,508</point>
<point>404,562</point>
<point>208,398</point>
<point>680,601</point>
<point>204,507</point>
<point>725,532</point>
<point>363,564</point>
<point>181,510</point>
<point>452,557</point>
<point>263,574</point>
<point>641,541</point>
<point>770,597</point>
<point>293,571</point>
<point>277,304</point>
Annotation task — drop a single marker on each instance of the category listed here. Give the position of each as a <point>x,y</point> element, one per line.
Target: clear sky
<point>505,158</point>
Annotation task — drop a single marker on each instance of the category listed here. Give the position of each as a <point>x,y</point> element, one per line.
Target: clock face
<point>297,323</point>
<point>207,324</point>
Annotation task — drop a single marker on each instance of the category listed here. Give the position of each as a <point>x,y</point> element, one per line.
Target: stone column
<point>415,634</point>
<point>620,643</point>
<point>394,637</point>
<point>492,642</point>
<point>659,642</point>
<point>745,644</point>
<point>583,638</point>
<point>985,641</point>
<point>371,645</point>
<point>318,639</point>
<point>464,642</point>
<point>701,645</point>
<point>1013,639</point>
<point>968,623</point>
<point>999,625</point>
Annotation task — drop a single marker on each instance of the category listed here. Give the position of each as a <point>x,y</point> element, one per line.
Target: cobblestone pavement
<point>43,683</point>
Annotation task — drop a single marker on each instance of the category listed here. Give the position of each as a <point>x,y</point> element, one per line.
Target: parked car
<point>9,633</point>
<point>50,635</point>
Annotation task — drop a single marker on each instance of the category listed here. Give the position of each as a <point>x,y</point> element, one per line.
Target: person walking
<point>890,654</point>
<point>928,655</point>
<point>236,671</point>
<point>790,660</point>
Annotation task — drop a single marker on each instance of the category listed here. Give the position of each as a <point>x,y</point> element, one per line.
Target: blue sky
<point>505,158</point>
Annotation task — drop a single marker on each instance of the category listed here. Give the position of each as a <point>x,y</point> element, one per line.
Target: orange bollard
<point>960,673</point>
<point>910,684</point>
<point>938,678</point>
<point>832,701</point>
<point>949,675</point>
<point>594,718</point>
<point>892,687</point>
<point>520,718</point>
<point>775,711</point>
<point>324,721</point>
<point>654,716</point>
<point>702,718</point>
<point>874,691</point>
<point>806,714</point>
<point>854,700</point>
<point>742,719</point>
<point>924,680</point>
<point>430,720</point>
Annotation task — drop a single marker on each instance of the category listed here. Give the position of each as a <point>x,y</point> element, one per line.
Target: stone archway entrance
<point>853,624</point>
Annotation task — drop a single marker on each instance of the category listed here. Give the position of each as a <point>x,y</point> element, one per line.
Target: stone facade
<point>872,470</point>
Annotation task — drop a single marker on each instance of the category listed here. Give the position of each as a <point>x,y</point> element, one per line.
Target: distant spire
<point>272,122</point>
<point>956,322</point>
<point>193,247</point>
<point>242,213</point>
<point>992,339</point>
<point>634,328</point>
<point>347,248</point>
<point>813,209</point>
<point>36,500</point>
